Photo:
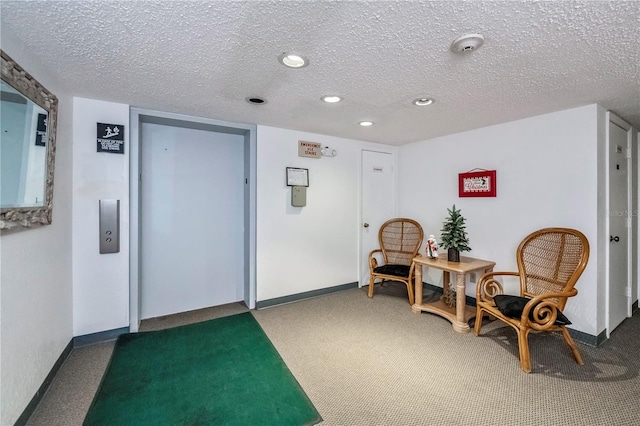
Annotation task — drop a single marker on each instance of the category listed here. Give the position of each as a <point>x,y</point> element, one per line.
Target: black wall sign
<point>41,130</point>
<point>110,138</point>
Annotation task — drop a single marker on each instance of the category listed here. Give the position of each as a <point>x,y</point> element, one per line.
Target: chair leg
<point>371,280</point>
<point>572,345</point>
<point>523,347</point>
<point>478,325</point>
<point>410,292</point>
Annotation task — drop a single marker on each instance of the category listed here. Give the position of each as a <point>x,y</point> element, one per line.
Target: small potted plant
<point>454,235</point>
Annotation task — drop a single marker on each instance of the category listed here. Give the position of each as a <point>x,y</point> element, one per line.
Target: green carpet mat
<point>219,372</point>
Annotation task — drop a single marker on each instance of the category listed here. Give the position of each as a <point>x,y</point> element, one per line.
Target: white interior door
<point>192,213</point>
<point>619,226</point>
<point>378,203</point>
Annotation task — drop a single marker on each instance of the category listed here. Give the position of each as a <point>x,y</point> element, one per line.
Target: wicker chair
<point>550,261</point>
<point>400,239</point>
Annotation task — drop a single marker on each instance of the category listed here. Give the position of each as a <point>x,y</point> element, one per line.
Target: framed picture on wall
<point>297,176</point>
<point>480,183</point>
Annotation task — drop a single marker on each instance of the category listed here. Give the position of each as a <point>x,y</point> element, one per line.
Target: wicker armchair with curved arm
<point>550,261</point>
<point>400,239</point>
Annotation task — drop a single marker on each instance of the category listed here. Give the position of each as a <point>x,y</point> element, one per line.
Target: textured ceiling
<point>204,58</point>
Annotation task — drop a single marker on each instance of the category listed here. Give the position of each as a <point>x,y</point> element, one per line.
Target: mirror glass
<point>23,146</point>
<point>27,148</point>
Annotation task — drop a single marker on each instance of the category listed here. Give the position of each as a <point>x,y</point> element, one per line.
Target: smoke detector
<point>467,43</point>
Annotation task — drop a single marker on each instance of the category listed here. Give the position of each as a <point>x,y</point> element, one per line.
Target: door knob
<point>612,238</point>
<point>366,225</point>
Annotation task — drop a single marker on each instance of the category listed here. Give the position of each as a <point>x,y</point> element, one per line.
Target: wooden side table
<point>460,315</point>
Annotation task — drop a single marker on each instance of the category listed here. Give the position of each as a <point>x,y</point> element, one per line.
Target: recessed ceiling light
<point>366,123</point>
<point>423,101</point>
<point>255,100</point>
<point>331,99</point>
<point>293,60</point>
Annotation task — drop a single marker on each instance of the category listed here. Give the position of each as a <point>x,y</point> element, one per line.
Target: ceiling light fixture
<point>255,101</point>
<point>366,123</point>
<point>331,99</point>
<point>467,43</point>
<point>293,60</point>
<point>423,101</point>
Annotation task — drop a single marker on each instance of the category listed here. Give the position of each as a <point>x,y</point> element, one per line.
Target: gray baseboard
<point>305,295</point>
<point>33,404</point>
<point>588,339</point>
<point>76,342</point>
<point>600,338</point>
<point>103,336</point>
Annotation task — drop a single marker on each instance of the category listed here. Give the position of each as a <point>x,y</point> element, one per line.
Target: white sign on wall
<point>110,138</point>
<point>309,149</point>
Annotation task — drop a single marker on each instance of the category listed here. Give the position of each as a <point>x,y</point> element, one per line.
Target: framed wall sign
<point>110,138</point>
<point>480,183</point>
<point>297,177</point>
<point>309,149</point>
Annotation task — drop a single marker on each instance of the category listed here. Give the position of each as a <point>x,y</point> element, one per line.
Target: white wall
<point>100,281</point>
<point>302,249</point>
<point>546,176</point>
<point>35,271</point>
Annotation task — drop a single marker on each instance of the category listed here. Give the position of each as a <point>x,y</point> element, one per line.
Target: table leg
<point>460,325</point>
<point>446,282</point>
<point>417,280</point>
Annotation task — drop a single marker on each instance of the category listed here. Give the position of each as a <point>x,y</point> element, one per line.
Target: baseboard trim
<point>100,337</point>
<point>305,295</point>
<point>602,337</point>
<point>33,404</point>
<point>588,339</point>
<point>76,342</point>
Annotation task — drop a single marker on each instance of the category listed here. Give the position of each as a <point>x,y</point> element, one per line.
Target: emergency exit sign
<point>309,149</point>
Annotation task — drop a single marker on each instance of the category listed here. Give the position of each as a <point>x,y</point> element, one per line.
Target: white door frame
<point>633,221</point>
<point>249,132</point>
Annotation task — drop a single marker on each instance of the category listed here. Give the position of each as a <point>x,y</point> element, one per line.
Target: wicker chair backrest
<point>400,239</point>
<point>551,260</point>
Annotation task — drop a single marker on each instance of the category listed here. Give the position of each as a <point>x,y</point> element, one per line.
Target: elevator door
<point>192,213</point>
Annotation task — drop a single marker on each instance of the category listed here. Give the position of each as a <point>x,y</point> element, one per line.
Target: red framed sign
<point>477,184</point>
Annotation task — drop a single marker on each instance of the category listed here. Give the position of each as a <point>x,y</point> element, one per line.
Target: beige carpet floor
<point>374,362</point>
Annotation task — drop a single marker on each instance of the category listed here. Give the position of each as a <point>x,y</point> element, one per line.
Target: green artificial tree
<point>454,233</point>
<point>454,239</point>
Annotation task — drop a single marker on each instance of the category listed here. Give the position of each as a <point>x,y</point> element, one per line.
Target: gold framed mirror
<point>27,149</point>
